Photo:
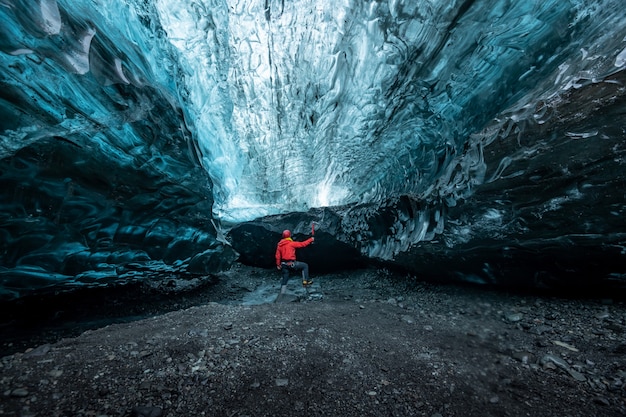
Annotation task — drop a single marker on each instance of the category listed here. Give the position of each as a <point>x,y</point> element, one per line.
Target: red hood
<point>284,241</point>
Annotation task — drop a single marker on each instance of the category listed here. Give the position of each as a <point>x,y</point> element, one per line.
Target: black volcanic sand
<point>359,343</point>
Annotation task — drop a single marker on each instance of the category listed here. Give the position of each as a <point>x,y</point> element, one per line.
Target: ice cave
<point>456,140</point>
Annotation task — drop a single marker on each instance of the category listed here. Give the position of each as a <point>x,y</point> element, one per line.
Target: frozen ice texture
<point>131,129</point>
<point>307,104</point>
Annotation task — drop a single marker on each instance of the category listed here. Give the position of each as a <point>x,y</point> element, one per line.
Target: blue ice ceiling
<point>132,130</point>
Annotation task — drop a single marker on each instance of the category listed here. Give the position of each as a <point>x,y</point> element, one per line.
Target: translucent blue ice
<point>130,128</point>
<point>306,104</point>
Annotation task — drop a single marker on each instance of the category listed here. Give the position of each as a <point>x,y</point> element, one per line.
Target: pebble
<point>524,357</point>
<point>565,345</point>
<point>38,351</point>
<point>514,317</point>
<point>577,375</point>
<point>407,319</point>
<point>19,392</point>
<point>282,382</point>
<point>541,329</point>
<point>554,360</point>
<point>551,361</point>
<point>601,401</point>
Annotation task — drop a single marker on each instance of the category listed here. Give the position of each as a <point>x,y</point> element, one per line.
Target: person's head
<point>286,234</point>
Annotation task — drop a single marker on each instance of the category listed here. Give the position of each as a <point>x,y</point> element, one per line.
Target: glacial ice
<point>321,104</point>
<point>133,131</point>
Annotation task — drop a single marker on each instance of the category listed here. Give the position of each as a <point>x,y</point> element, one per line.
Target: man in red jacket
<point>286,259</point>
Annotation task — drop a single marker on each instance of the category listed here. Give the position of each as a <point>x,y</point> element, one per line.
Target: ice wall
<point>316,104</point>
<point>129,129</point>
<point>99,170</point>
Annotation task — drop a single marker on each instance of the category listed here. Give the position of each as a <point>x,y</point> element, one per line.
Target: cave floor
<point>358,343</point>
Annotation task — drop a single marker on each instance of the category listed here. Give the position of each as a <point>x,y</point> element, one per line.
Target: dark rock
<point>212,260</point>
<point>19,393</point>
<point>256,241</point>
<point>38,351</point>
<point>146,411</point>
<point>601,401</point>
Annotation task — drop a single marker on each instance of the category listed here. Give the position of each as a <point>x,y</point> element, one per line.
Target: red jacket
<point>286,249</point>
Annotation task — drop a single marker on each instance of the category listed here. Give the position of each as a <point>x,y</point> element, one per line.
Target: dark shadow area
<point>50,316</point>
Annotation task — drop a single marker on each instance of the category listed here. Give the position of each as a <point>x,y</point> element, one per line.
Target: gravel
<point>358,343</point>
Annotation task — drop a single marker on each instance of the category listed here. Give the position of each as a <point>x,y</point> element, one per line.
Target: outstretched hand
<point>278,267</point>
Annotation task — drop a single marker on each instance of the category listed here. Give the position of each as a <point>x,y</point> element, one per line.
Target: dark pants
<point>294,266</point>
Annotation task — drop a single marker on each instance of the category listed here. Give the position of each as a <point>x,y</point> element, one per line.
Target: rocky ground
<point>359,343</point>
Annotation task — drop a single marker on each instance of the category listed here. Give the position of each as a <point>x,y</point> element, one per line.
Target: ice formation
<point>132,129</point>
